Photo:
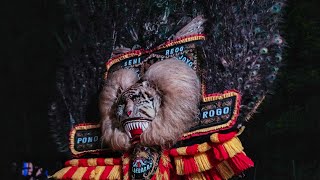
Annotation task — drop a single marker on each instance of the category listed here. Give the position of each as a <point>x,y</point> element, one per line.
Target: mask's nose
<point>129,107</point>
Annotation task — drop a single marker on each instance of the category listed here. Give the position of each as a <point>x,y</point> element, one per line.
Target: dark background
<point>282,138</point>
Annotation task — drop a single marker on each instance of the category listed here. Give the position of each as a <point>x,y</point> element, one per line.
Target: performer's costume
<point>161,89</point>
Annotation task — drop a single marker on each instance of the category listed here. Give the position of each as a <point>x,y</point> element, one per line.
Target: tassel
<point>225,170</point>
<point>190,165</point>
<point>233,146</point>
<point>240,162</point>
<point>179,165</point>
<point>202,162</point>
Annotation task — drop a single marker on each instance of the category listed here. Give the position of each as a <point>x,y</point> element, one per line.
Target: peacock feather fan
<point>242,51</point>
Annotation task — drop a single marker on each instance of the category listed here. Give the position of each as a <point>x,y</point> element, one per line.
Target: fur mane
<point>174,83</point>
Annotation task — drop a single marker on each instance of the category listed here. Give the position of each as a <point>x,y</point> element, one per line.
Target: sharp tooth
<point>130,126</point>
<point>140,125</point>
<point>143,126</point>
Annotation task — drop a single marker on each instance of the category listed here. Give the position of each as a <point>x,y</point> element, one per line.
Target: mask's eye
<point>120,110</point>
<point>148,96</point>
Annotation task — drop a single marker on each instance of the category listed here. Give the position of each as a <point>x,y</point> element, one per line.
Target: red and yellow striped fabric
<point>91,169</point>
<point>221,158</point>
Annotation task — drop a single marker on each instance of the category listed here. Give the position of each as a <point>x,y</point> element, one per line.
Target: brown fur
<point>179,89</point>
<point>112,131</point>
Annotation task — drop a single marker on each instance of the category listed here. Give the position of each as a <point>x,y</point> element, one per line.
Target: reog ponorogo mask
<point>180,81</point>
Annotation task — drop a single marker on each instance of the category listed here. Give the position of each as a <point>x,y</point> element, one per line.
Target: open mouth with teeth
<point>134,127</point>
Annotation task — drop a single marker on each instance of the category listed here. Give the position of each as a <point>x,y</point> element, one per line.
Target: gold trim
<point>141,52</point>
<point>234,115</point>
<point>72,134</point>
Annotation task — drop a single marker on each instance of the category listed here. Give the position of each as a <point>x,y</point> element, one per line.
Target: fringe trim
<point>222,158</point>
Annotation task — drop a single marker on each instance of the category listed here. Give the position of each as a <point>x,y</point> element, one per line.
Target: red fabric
<point>189,165</point>
<point>69,173</point>
<point>226,137</point>
<point>223,152</point>
<point>117,161</point>
<point>191,150</point>
<point>125,168</point>
<point>106,172</point>
<point>100,162</point>
<point>83,162</point>
<point>67,163</point>
<point>240,162</point>
<point>174,152</point>
<point>87,173</point>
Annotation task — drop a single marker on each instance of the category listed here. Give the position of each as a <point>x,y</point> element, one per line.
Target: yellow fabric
<point>182,151</point>
<point>115,173</point>
<point>97,172</point>
<point>165,160</point>
<point>198,176</point>
<point>214,138</point>
<point>202,162</point>
<point>179,165</point>
<point>125,160</point>
<point>225,170</point>
<point>92,162</point>
<point>204,147</point>
<point>233,146</point>
<point>79,173</point>
<point>74,162</point>
<point>126,177</point>
<point>108,161</point>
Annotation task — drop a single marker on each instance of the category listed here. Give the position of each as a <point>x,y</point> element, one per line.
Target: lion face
<point>137,107</point>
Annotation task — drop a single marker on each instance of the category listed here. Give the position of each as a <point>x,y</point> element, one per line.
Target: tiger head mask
<point>156,108</point>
